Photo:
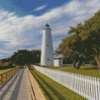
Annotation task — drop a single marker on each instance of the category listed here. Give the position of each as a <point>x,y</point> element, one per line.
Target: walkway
<point>17,88</point>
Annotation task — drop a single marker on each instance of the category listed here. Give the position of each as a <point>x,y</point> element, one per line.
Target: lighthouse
<point>47,47</point>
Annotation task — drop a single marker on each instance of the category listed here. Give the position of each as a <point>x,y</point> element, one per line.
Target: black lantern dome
<point>47,25</point>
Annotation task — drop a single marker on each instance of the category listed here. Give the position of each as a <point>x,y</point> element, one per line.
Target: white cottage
<point>58,62</point>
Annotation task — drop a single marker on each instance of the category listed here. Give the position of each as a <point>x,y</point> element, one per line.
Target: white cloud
<point>41,7</point>
<point>72,7</point>
<point>60,31</point>
<point>79,18</point>
<point>54,13</point>
<point>1,55</point>
<point>81,12</point>
<point>17,32</point>
<point>92,11</point>
<point>38,47</point>
<point>56,44</point>
<point>92,3</point>
<point>5,51</point>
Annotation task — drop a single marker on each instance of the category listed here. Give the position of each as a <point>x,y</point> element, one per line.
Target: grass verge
<point>53,90</point>
<point>84,70</point>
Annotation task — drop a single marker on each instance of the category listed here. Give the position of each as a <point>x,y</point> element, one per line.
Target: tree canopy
<point>84,40</point>
<point>22,57</point>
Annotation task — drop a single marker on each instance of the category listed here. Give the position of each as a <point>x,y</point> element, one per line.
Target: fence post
<point>1,78</point>
<point>6,76</point>
<point>9,73</point>
<point>86,86</point>
<point>72,81</point>
<point>96,89</point>
<point>89,86</point>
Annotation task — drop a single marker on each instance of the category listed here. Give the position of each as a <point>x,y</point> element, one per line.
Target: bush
<point>6,65</point>
<point>29,66</point>
<point>93,62</point>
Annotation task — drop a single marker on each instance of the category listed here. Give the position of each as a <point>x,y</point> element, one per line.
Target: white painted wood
<point>58,62</point>
<point>86,86</point>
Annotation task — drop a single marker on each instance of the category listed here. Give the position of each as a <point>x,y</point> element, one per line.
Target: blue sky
<point>34,7</point>
<point>21,27</point>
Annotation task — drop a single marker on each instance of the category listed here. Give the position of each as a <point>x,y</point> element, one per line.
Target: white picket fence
<point>86,86</point>
<point>67,64</point>
<point>72,64</point>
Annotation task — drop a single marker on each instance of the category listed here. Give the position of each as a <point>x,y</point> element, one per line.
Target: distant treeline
<point>21,57</point>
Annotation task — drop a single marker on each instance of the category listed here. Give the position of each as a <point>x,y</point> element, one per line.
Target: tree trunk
<point>80,61</point>
<point>74,62</point>
<point>78,65</point>
<point>98,62</point>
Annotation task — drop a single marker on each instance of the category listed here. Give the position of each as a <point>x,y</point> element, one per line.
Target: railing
<point>6,75</point>
<point>36,93</point>
<point>67,64</point>
<point>86,86</point>
<point>72,64</point>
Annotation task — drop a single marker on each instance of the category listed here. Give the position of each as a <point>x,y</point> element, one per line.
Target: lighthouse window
<point>48,59</point>
<point>37,55</point>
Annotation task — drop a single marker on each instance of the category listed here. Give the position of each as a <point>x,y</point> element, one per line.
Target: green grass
<point>53,90</point>
<point>84,70</point>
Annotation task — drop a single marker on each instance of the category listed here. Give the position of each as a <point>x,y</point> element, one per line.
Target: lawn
<point>84,70</point>
<point>53,90</point>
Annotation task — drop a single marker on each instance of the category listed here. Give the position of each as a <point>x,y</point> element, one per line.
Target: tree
<point>20,57</point>
<point>68,48</point>
<point>91,33</point>
<point>84,40</point>
<point>67,60</point>
<point>25,57</point>
<point>35,56</point>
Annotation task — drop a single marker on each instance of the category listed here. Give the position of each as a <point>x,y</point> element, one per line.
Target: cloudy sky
<point>22,21</point>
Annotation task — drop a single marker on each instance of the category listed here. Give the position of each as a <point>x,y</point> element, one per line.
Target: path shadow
<point>7,81</point>
<point>15,93</point>
<point>7,89</point>
<point>52,89</point>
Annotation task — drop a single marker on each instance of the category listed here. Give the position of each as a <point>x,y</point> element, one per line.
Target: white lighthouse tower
<point>47,48</point>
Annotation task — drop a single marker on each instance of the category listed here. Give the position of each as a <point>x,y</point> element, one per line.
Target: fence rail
<point>72,64</point>
<point>67,64</point>
<point>86,86</point>
<point>6,75</point>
